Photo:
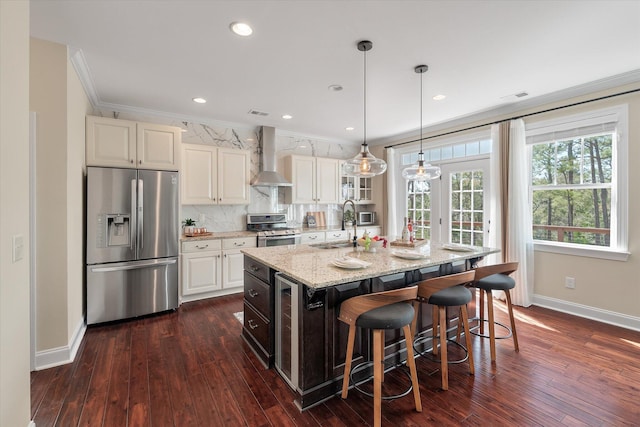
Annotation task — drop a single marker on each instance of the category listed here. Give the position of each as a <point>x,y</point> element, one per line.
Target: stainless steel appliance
<point>272,229</point>
<point>286,330</point>
<point>366,218</point>
<point>132,243</point>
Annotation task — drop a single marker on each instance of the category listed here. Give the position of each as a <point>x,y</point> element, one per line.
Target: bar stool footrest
<point>502,325</point>
<point>364,365</point>
<point>422,338</point>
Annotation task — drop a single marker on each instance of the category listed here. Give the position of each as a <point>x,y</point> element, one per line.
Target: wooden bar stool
<point>380,311</point>
<point>443,292</point>
<point>496,278</point>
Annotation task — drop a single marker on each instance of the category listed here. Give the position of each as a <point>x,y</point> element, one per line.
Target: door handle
<point>141,212</point>
<point>133,266</point>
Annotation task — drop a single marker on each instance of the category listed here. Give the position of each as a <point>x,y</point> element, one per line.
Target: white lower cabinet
<point>312,237</point>
<point>336,235</point>
<point>233,261</point>
<point>213,267</point>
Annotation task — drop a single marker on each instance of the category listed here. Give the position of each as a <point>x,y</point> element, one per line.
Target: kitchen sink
<point>332,245</point>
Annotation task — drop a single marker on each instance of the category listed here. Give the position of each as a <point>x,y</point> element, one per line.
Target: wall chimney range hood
<point>268,177</point>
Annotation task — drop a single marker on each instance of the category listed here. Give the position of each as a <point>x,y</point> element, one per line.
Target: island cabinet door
<point>338,332</point>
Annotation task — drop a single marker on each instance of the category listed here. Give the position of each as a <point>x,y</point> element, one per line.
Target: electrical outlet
<point>570,282</point>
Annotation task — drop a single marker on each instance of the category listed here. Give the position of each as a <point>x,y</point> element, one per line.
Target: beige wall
<point>604,288</point>
<point>60,103</point>
<point>78,106</point>
<point>603,284</point>
<point>14,213</point>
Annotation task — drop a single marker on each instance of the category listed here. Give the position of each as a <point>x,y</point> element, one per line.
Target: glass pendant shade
<point>364,164</point>
<point>420,171</point>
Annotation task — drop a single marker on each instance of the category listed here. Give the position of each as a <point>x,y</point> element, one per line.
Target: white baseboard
<point>61,355</point>
<point>605,316</point>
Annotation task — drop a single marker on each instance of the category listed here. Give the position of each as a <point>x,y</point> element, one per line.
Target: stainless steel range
<point>272,229</point>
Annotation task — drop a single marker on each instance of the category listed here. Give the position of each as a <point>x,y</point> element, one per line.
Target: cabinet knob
<point>140,161</point>
<point>252,324</point>
<point>131,161</point>
<point>253,293</point>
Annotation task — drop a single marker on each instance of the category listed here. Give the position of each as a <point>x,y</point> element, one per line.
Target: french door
<point>460,201</point>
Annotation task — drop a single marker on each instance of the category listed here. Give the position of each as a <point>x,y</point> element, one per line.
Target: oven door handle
<point>288,236</point>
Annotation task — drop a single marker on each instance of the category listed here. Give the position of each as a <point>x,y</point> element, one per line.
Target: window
<point>450,209</point>
<point>419,207</point>
<point>577,167</point>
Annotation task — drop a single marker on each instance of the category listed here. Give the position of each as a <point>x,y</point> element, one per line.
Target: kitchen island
<point>292,299</point>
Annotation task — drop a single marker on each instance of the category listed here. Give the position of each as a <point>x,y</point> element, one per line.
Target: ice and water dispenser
<point>114,230</point>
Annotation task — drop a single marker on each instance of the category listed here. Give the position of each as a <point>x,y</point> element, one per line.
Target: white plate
<point>350,263</point>
<point>457,248</point>
<point>407,254</point>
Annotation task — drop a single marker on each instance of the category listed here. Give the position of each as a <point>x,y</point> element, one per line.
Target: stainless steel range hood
<point>268,177</point>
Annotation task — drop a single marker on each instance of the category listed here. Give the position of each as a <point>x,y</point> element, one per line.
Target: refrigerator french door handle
<point>133,266</point>
<point>140,213</point>
<point>134,214</point>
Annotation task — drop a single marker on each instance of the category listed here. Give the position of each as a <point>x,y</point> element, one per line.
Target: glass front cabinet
<point>356,188</point>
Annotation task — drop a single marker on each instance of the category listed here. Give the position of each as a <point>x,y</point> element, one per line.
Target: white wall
<point>14,213</point>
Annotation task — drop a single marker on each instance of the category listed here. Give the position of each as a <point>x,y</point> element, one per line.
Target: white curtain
<point>391,226</point>
<point>519,239</point>
<point>495,198</point>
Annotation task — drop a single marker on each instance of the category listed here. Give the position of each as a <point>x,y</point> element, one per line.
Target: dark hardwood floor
<point>191,368</point>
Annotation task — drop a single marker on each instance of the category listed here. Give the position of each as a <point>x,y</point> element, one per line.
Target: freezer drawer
<point>129,289</point>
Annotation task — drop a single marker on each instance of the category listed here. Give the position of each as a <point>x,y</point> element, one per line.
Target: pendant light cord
<point>421,96</point>
<point>365,98</point>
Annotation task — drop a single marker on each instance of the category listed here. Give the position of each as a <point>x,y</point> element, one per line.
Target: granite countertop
<point>313,266</point>
<point>336,227</point>
<point>219,235</point>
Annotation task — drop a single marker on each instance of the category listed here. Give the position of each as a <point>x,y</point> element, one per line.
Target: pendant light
<point>420,171</point>
<point>365,163</point>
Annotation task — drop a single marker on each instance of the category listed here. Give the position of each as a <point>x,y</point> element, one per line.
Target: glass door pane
<point>464,202</point>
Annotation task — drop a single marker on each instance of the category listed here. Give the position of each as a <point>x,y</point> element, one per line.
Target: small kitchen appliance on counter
<point>366,218</point>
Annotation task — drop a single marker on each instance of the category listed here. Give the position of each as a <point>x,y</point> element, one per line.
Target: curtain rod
<point>516,117</point>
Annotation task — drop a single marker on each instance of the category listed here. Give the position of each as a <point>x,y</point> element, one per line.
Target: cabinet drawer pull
<point>202,247</point>
<point>253,293</point>
<point>239,244</point>
<point>254,268</point>
<point>252,324</point>
<point>313,237</point>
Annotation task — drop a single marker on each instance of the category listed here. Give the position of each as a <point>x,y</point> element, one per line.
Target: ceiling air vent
<point>258,113</point>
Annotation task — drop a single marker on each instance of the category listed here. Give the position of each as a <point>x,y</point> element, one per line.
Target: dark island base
<point>322,338</point>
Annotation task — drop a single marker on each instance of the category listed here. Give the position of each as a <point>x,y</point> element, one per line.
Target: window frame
<point>619,180</point>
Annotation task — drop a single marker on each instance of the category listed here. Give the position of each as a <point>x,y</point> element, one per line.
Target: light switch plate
<point>18,247</point>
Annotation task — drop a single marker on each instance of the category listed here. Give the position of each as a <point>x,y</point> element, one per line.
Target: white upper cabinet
<point>212,175</point>
<point>314,179</point>
<point>233,176</point>
<point>128,144</point>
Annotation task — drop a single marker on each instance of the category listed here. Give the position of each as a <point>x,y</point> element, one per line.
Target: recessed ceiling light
<point>335,88</point>
<point>199,100</point>
<point>287,116</point>
<point>439,97</point>
<point>241,28</point>
<point>350,128</point>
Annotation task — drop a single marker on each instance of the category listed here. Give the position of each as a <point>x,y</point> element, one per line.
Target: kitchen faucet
<point>355,221</point>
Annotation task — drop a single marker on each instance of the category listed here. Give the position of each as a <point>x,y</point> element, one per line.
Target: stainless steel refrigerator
<point>132,243</point>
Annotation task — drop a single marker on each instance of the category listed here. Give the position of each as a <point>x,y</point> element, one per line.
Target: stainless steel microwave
<point>366,218</point>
